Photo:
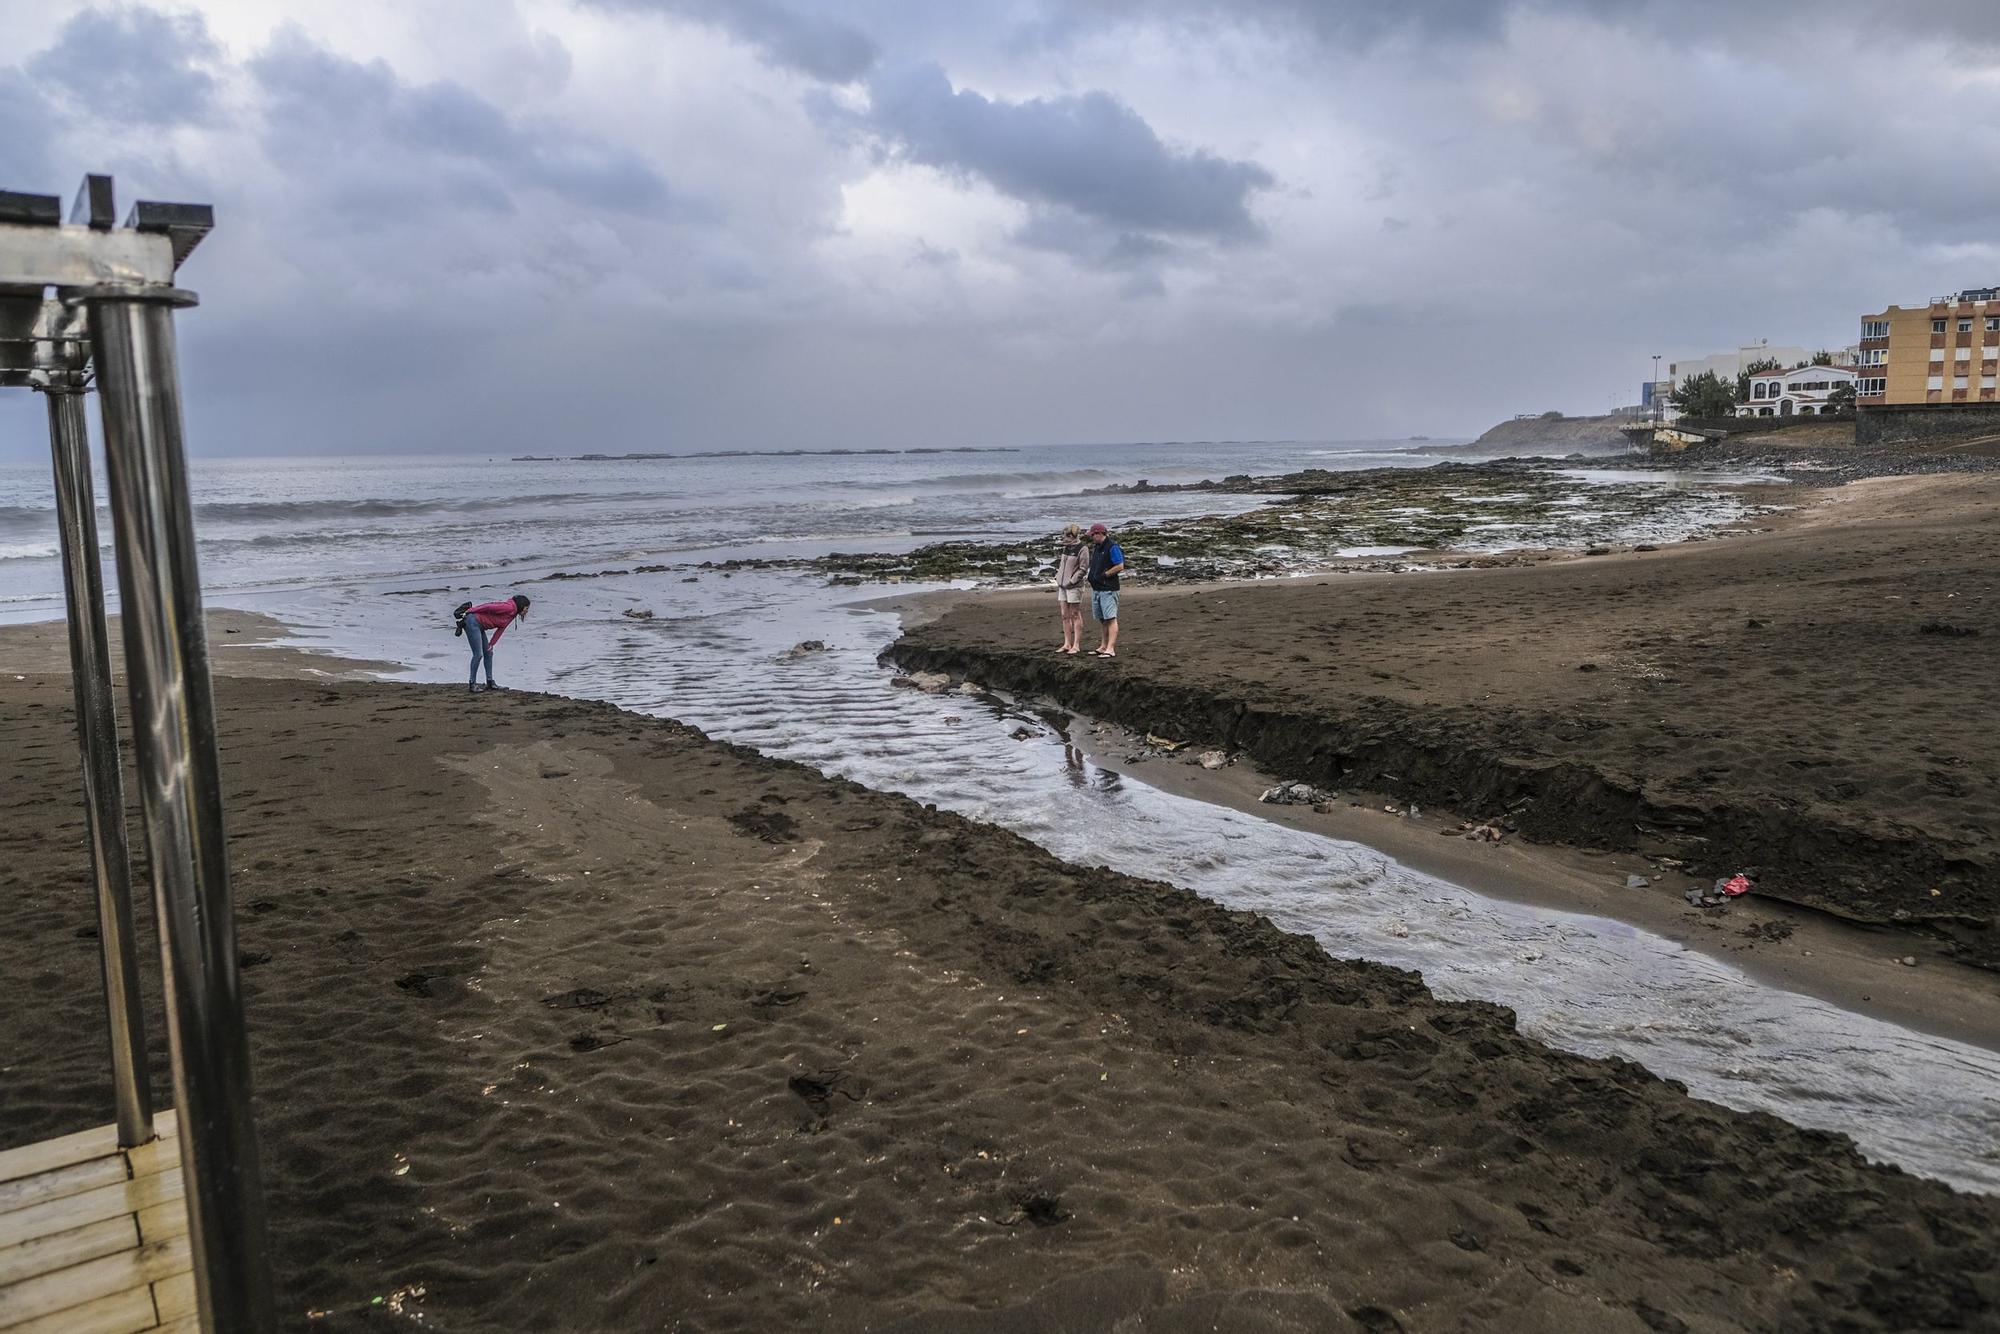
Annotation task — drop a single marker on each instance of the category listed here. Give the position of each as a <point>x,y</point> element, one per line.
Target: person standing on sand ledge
<point>1071,572</point>
<point>1106,560</point>
<point>474,622</point>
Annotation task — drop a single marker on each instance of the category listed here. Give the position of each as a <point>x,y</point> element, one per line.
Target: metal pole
<point>173,725</point>
<point>103,784</point>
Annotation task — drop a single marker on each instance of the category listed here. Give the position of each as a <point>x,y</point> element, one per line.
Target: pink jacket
<point>496,617</point>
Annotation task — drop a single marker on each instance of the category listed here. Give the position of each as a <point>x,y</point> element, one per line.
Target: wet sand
<point>565,1018</point>
<point>1802,701</point>
<point>240,643</point>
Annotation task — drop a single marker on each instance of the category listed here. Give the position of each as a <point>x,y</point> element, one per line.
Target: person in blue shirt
<point>1106,561</point>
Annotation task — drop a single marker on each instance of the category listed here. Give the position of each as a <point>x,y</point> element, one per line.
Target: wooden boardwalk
<point>93,1238</point>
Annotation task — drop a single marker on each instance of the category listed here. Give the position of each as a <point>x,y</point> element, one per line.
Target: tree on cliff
<point>1703,395</point>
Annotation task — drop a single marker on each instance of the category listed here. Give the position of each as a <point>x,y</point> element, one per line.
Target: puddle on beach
<point>710,657</point>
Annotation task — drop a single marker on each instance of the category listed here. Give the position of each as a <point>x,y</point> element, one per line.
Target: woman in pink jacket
<point>475,622</point>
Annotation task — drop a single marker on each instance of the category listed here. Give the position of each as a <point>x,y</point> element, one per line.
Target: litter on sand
<point>1295,794</point>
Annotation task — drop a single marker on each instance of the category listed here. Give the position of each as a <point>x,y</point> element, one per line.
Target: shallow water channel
<point>712,657</point>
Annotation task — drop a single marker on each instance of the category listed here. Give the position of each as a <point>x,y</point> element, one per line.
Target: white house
<point>1803,392</point>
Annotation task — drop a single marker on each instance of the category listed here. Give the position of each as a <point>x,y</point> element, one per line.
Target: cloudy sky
<point>512,225</point>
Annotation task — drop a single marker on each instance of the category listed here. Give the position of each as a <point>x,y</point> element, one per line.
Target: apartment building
<point>1943,353</point>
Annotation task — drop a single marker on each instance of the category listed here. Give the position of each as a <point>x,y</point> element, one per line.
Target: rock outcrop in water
<point>1312,518</point>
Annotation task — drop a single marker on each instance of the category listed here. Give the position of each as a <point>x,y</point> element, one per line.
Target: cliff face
<point>1558,436</point>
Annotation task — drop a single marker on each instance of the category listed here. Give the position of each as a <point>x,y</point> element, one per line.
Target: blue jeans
<point>475,633</point>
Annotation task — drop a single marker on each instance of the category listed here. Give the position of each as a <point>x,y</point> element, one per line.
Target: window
<point>1937,326</point>
<point>1873,388</point>
<point>1958,382</point>
<point>1874,356</point>
<point>1935,382</point>
<point>1987,382</point>
<point>1965,325</point>
<point>1937,354</point>
<point>1993,324</point>
<point>1965,354</point>
<point>1880,328</point>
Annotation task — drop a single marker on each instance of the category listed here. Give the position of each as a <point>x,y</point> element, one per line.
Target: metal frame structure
<point>81,299</point>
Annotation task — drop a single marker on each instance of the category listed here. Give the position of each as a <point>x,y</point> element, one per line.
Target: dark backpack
<point>458,618</point>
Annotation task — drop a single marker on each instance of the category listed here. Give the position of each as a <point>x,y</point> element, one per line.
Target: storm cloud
<point>809,42</point>
<point>350,125</point>
<point>894,222</point>
<point>1089,153</point>
<point>133,65</point>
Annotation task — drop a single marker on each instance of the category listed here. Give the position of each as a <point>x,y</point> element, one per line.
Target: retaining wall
<point>1924,424</point>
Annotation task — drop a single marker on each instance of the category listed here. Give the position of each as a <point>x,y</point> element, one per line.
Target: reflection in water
<point>1584,983</point>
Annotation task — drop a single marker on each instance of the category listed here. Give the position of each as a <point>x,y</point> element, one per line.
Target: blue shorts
<point>1104,604</point>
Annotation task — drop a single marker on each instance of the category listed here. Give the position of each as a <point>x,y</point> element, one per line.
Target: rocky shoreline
<point>1809,460</point>
<point>1444,514</point>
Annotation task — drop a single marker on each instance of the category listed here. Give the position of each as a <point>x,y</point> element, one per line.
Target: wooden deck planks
<point>59,1250</point>
<point>121,1313</point>
<point>124,1197</point>
<point>173,1298</point>
<point>62,1183</point>
<point>34,1159</point>
<point>93,1238</point>
<point>49,1154</point>
<point>47,1294</point>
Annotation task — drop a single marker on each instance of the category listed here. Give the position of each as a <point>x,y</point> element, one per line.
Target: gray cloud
<point>30,124</point>
<point>1541,193</point>
<point>1090,154</point>
<point>132,65</point>
<point>1064,232</point>
<point>812,44</point>
<point>1455,24</point>
<point>370,141</point>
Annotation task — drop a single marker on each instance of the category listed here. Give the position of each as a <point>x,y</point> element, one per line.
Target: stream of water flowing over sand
<point>713,655</point>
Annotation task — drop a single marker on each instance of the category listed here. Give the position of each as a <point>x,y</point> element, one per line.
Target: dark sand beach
<point>569,1019</point>
<point>1804,702</point>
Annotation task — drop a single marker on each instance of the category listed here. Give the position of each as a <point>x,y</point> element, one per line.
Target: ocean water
<point>366,557</point>
<point>268,525</point>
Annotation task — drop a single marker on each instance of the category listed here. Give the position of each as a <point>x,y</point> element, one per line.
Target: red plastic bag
<point>1737,885</point>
